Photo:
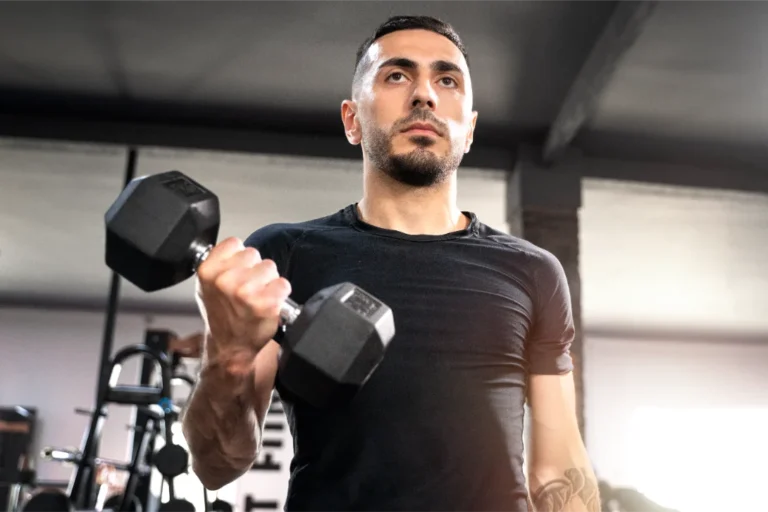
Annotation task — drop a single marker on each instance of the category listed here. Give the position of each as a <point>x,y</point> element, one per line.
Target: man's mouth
<point>421,129</point>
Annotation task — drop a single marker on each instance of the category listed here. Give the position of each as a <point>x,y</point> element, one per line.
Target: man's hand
<point>560,473</point>
<point>239,296</point>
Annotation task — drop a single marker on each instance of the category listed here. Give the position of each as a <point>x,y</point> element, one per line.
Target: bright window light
<point>700,460</point>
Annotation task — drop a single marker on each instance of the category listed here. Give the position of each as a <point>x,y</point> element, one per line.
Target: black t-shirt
<point>439,424</point>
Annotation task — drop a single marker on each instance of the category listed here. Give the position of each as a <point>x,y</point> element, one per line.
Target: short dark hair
<point>396,23</point>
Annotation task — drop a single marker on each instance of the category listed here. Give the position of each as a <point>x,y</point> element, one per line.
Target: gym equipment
<point>75,457</point>
<point>48,499</point>
<point>171,460</point>
<point>219,505</point>
<point>81,485</point>
<point>161,228</point>
<point>115,503</point>
<point>17,472</point>
<point>177,505</point>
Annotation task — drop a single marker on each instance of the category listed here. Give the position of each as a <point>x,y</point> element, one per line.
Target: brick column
<point>543,208</point>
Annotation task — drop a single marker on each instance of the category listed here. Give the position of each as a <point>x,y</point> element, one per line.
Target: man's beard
<point>417,168</point>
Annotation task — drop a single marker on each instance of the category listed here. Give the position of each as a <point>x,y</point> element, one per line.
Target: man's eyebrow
<point>444,66</point>
<point>398,62</point>
<point>440,66</point>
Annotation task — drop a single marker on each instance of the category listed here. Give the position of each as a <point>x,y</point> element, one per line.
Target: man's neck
<point>412,210</point>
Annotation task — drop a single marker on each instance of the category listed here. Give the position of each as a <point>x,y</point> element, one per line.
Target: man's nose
<point>424,95</point>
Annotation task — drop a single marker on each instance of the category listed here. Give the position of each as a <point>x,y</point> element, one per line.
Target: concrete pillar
<point>543,208</point>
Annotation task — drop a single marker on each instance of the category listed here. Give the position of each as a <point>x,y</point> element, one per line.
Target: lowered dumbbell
<point>114,502</point>
<point>47,499</point>
<point>162,227</point>
<point>219,505</point>
<point>176,505</point>
<point>171,460</point>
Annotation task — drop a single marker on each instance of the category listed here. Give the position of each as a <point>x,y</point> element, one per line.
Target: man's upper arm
<point>552,330</point>
<point>560,473</point>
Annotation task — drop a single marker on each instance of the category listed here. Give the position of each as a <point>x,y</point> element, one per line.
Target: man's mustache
<point>421,116</point>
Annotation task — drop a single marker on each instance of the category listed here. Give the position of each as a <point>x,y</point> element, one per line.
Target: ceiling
<point>690,86</point>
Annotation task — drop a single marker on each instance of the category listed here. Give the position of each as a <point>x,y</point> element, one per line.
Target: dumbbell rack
<point>158,415</point>
<point>82,484</point>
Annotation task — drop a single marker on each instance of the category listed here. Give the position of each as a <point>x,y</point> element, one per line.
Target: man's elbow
<point>214,479</point>
<point>554,463</point>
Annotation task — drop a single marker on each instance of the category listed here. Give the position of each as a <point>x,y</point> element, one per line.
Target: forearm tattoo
<point>562,494</point>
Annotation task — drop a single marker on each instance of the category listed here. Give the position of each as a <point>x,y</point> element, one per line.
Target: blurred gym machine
<point>17,426</point>
<point>156,414</point>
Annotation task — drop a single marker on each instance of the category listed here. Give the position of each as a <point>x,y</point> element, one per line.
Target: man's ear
<point>470,133</point>
<point>351,123</point>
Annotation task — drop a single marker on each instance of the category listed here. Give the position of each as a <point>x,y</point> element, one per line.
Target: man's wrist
<point>227,376</point>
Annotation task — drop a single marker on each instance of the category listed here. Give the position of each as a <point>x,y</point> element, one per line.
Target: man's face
<point>412,109</point>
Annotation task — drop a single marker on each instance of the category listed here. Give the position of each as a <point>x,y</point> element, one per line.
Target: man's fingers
<point>269,300</point>
<point>239,282</point>
<point>229,253</point>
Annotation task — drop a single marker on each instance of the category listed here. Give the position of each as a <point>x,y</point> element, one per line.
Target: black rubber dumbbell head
<point>220,505</point>
<point>48,500</point>
<point>171,460</point>
<point>158,227</point>
<point>335,344</point>
<point>114,502</point>
<point>177,505</point>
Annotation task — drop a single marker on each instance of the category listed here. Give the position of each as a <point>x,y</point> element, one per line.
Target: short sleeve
<point>552,332</point>
<point>274,242</point>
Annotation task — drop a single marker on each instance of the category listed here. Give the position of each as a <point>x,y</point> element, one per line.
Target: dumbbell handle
<point>289,310</point>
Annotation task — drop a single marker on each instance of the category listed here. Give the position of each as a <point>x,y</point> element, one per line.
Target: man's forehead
<point>417,45</point>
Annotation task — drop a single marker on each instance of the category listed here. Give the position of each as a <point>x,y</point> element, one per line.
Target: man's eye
<point>395,76</point>
<point>448,81</point>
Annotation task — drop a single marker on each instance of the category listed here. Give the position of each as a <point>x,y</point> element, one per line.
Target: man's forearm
<point>573,490</point>
<point>221,428</point>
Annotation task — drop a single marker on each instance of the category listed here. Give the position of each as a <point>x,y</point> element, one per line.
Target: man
<point>483,320</point>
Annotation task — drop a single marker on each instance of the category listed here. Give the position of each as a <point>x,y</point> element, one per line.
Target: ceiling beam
<point>241,140</point>
<point>618,35</point>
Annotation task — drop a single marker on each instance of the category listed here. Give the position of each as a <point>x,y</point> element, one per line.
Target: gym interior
<point>627,138</point>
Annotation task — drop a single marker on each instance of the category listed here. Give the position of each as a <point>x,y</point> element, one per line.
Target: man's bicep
<point>552,399</point>
<point>552,330</point>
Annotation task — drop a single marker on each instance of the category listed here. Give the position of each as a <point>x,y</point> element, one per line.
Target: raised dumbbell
<point>161,228</point>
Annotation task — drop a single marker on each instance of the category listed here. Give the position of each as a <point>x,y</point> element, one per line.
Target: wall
<point>657,262</point>
<point>682,421</point>
<point>661,258</point>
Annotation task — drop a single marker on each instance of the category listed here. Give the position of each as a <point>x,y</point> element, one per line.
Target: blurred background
<point>640,127</point>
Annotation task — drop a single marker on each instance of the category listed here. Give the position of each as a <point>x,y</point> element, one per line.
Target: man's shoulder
<point>539,258</point>
<point>509,241</point>
<point>281,233</point>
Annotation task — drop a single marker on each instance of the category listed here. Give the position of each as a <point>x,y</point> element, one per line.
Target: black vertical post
<point>107,341</point>
<point>82,484</point>
<point>157,340</point>
<point>543,205</point>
